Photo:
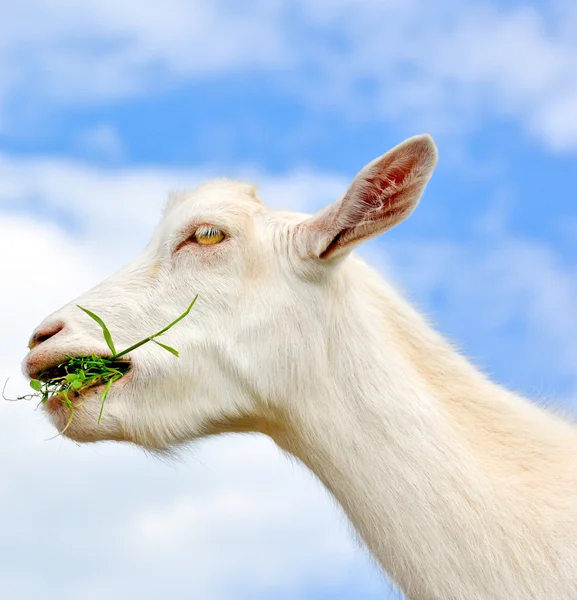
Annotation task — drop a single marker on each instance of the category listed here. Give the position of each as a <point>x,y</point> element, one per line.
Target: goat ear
<point>383,194</point>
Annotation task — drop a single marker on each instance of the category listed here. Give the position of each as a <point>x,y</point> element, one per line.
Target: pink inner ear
<point>383,194</point>
<point>391,175</point>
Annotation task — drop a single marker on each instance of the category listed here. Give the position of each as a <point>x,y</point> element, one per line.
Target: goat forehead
<point>216,191</point>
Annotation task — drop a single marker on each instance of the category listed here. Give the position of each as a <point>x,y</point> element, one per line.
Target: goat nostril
<point>45,333</point>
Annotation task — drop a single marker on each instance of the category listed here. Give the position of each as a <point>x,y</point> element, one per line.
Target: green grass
<point>79,373</point>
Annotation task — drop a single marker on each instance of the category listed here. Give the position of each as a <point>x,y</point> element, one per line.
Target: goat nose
<point>45,332</point>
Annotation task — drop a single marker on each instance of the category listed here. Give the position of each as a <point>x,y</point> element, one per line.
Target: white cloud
<point>445,65</point>
<point>107,50</point>
<point>270,520</point>
<point>440,66</point>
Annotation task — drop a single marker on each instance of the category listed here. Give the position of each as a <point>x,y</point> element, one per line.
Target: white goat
<point>460,488</point>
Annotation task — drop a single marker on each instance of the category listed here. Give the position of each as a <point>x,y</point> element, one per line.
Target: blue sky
<point>105,107</point>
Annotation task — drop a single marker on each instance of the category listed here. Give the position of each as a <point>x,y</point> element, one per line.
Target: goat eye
<point>207,234</point>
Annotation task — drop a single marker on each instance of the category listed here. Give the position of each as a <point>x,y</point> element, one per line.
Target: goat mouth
<point>66,384</point>
<point>60,371</point>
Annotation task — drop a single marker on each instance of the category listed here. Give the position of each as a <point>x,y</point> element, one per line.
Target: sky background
<point>107,106</point>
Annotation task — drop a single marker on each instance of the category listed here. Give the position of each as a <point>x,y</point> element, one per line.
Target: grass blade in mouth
<point>105,330</point>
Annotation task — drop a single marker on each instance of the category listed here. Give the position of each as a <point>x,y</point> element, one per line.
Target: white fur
<point>461,489</point>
